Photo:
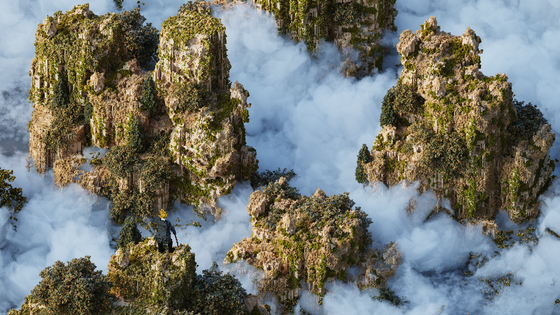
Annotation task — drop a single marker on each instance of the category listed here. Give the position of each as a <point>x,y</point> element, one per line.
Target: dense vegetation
<point>260,179</point>
<point>364,157</point>
<point>215,294</point>
<point>529,120</point>
<point>191,96</point>
<point>444,153</point>
<point>74,288</point>
<point>10,197</point>
<point>67,115</point>
<point>129,233</point>
<point>142,41</point>
<point>149,96</point>
<point>399,100</point>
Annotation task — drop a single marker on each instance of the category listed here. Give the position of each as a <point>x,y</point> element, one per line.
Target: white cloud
<point>307,117</point>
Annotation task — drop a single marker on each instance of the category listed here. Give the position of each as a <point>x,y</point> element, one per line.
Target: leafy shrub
<point>141,41</point>
<point>443,153</point>
<point>135,136</point>
<point>389,114</point>
<point>159,144</point>
<point>10,197</point>
<point>529,120</point>
<point>260,179</point>
<point>61,98</point>
<point>191,96</point>
<point>399,100</point>
<point>407,100</point>
<point>347,13</point>
<point>216,294</point>
<point>88,111</point>
<point>67,115</point>
<point>149,95</point>
<point>389,295</point>
<point>364,157</point>
<point>120,160</point>
<point>129,233</point>
<point>154,173</point>
<point>75,288</point>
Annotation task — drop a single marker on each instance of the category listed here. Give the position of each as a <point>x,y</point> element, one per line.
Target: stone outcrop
<point>310,239</point>
<point>350,25</point>
<point>466,138</point>
<point>142,275</point>
<point>201,139</point>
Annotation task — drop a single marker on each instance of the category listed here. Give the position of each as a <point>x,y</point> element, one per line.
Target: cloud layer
<point>307,117</point>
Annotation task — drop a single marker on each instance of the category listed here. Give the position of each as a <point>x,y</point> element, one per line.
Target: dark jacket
<point>164,229</point>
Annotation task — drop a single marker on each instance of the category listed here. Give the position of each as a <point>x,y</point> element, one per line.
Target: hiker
<point>163,235</point>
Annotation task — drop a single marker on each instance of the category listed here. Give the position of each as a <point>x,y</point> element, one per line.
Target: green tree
<point>389,114</point>
<point>149,95</point>
<point>75,288</point>
<point>216,294</point>
<point>260,179</point>
<point>141,41</point>
<point>135,135</point>
<point>348,13</point>
<point>191,96</point>
<point>399,100</point>
<point>364,157</point>
<point>61,97</point>
<point>406,100</point>
<point>154,174</point>
<point>88,111</point>
<point>129,233</point>
<point>389,295</point>
<point>10,197</point>
<point>159,144</point>
<point>120,160</point>
<point>67,115</point>
<point>528,121</point>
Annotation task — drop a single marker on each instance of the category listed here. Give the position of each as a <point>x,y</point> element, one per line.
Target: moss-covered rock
<point>144,276</point>
<point>466,138</point>
<point>311,239</point>
<point>98,66</point>
<point>349,24</point>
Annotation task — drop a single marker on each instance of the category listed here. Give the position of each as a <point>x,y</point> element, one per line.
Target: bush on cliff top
<point>129,233</point>
<point>142,41</point>
<point>75,288</point>
<point>215,294</point>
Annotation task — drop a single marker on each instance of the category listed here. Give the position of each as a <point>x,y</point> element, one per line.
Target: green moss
<point>430,51</point>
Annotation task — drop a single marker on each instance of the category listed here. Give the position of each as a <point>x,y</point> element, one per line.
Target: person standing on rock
<point>163,235</point>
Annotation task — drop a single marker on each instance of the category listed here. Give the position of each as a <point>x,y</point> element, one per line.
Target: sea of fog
<point>305,116</point>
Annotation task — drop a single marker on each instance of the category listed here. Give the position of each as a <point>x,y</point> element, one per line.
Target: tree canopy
<point>74,288</point>
<point>10,197</point>
<point>364,157</point>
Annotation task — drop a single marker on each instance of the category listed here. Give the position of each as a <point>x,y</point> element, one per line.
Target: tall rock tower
<point>459,132</point>
<point>176,132</point>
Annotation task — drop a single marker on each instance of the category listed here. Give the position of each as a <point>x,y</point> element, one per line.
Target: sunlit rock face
<point>353,26</point>
<point>316,239</point>
<point>460,132</point>
<point>195,125</point>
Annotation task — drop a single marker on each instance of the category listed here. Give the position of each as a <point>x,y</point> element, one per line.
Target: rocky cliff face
<point>91,87</point>
<point>349,24</point>
<point>311,239</point>
<point>210,145</point>
<point>460,132</point>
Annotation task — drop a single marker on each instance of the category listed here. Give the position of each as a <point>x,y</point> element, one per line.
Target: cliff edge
<point>459,132</point>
